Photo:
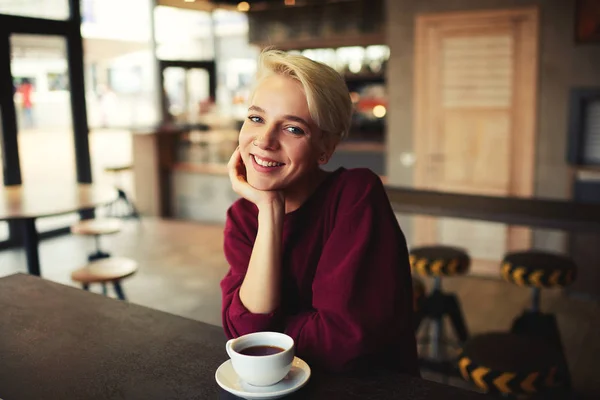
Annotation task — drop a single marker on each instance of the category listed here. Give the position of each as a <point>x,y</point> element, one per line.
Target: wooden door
<point>475,110</point>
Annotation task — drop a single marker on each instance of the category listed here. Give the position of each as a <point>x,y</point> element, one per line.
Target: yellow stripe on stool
<point>536,276</point>
<point>506,270</point>
<point>421,264</point>
<point>478,375</point>
<point>436,267</point>
<point>463,364</point>
<point>527,384</point>
<point>554,277</point>
<point>518,276</point>
<point>501,382</point>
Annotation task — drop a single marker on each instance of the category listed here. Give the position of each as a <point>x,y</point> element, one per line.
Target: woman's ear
<point>327,146</point>
<point>323,159</point>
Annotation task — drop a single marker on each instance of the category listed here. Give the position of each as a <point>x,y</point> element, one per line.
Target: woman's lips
<point>257,162</point>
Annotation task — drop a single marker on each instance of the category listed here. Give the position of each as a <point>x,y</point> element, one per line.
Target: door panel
<point>475,75</point>
<point>474,153</point>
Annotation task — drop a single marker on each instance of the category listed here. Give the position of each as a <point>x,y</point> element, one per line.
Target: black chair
<point>122,207</point>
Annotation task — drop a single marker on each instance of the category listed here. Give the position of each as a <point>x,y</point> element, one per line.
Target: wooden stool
<point>539,269</point>
<point>123,201</point>
<point>511,364</point>
<point>106,270</point>
<point>437,262</point>
<point>97,227</point>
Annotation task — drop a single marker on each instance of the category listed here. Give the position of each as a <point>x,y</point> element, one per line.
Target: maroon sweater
<point>346,283</point>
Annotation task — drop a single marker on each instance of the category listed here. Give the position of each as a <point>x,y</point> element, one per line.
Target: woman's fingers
<point>237,177</point>
<point>234,159</point>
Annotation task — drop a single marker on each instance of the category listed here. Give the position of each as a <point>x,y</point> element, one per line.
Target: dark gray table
<point>59,342</point>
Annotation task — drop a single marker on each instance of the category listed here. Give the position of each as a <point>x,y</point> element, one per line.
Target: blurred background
<point>481,97</point>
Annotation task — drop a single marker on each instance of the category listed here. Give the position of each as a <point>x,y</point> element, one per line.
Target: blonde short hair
<point>326,92</point>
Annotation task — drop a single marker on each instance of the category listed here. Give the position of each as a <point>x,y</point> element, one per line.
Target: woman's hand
<point>237,176</point>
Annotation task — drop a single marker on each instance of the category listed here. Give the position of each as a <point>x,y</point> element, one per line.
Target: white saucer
<point>295,379</point>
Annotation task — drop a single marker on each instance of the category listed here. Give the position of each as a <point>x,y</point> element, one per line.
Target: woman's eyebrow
<point>297,119</point>
<point>257,109</point>
<point>288,116</point>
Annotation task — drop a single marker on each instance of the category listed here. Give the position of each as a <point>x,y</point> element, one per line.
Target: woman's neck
<point>303,190</point>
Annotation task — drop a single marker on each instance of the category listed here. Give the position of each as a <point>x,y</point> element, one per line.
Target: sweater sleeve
<point>361,289</point>
<point>236,318</point>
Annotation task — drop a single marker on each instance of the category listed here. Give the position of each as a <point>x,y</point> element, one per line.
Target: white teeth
<point>264,163</point>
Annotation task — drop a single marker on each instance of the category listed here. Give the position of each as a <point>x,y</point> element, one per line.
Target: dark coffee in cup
<point>261,350</point>
<point>261,358</point>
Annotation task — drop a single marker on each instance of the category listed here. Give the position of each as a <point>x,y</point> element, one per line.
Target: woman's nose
<point>267,139</point>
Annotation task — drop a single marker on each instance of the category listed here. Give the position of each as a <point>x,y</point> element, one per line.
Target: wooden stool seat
<point>538,269</point>
<point>105,270</point>
<point>117,168</point>
<point>502,362</point>
<point>97,226</point>
<point>439,261</point>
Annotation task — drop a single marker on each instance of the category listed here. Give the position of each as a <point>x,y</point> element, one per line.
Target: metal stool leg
<point>99,254</point>
<point>535,299</point>
<point>456,317</point>
<point>85,286</point>
<point>104,291</point>
<point>119,290</point>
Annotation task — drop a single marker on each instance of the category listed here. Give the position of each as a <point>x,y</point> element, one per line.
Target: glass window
<point>44,122</point>
<point>183,34</point>
<point>47,9</point>
<point>187,92</point>
<point>119,64</point>
<point>121,84</point>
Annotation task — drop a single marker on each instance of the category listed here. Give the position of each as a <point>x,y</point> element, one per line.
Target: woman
<point>314,254</point>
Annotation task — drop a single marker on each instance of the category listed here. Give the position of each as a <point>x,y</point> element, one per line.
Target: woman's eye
<point>254,118</point>
<point>294,130</point>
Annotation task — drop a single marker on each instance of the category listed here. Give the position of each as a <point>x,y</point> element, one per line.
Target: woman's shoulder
<point>356,185</point>
<point>357,176</point>
<point>357,181</point>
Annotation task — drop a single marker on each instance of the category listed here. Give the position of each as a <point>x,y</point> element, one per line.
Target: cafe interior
<point>118,118</point>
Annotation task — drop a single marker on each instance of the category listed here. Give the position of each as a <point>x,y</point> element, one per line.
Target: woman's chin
<point>263,184</point>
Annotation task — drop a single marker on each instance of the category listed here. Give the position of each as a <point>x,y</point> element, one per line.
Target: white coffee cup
<point>261,370</point>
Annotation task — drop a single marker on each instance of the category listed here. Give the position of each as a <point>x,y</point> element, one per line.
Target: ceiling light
<point>243,6</point>
<point>379,111</point>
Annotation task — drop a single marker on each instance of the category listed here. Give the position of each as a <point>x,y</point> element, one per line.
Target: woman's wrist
<point>271,212</point>
<point>272,206</point>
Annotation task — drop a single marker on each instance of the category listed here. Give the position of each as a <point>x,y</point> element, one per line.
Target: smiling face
<point>280,144</point>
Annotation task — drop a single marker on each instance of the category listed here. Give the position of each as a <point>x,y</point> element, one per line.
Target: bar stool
<point>107,270</point>
<point>437,262</point>
<point>539,269</point>
<point>122,207</point>
<point>511,364</point>
<point>419,295</point>
<point>96,227</point>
